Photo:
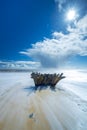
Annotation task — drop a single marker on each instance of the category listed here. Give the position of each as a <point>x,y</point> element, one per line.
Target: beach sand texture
<point>23,109</point>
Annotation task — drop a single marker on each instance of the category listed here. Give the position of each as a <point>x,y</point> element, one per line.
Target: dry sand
<point>40,110</point>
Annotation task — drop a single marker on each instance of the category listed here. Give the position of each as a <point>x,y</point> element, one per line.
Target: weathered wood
<point>46,79</point>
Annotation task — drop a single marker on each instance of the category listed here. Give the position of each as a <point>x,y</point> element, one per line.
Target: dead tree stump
<point>46,79</point>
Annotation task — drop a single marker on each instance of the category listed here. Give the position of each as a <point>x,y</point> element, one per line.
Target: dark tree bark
<point>46,79</point>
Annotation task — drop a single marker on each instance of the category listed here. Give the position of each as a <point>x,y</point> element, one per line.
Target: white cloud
<point>19,65</point>
<point>55,51</point>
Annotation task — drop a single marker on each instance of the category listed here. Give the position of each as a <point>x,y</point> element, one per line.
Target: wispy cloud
<point>53,52</point>
<point>60,4</point>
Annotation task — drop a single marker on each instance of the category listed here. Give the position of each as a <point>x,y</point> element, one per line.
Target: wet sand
<point>40,110</point>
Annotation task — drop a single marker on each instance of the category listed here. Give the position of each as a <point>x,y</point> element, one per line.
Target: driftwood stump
<point>46,79</point>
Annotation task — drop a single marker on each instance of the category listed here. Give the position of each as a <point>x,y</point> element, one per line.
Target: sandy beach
<point>23,109</point>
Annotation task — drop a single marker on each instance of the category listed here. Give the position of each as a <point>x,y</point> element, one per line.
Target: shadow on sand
<point>33,89</point>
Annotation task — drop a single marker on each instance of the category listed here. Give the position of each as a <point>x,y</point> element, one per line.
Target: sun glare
<point>71,15</point>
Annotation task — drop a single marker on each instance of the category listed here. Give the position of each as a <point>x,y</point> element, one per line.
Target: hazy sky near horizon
<point>43,33</point>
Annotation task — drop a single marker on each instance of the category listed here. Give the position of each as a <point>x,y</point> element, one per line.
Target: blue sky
<point>38,32</point>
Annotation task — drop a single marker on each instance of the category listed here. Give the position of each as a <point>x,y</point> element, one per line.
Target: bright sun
<point>71,15</point>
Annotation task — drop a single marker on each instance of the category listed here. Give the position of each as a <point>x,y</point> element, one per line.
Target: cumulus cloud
<point>19,65</point>
<point>55,51</point>
<point>60,4</point>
